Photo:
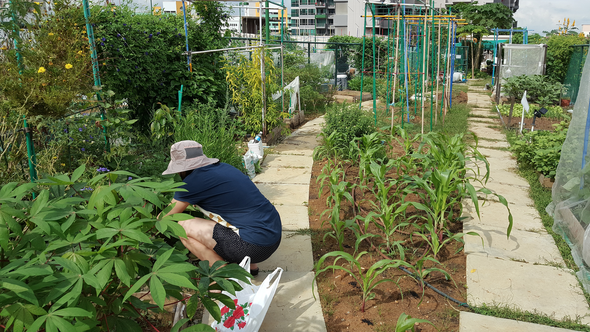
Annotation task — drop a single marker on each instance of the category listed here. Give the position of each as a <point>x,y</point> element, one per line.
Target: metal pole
<point>262,73</point>
<point>30,151</point>
<point>267,19</point>
<point>424,66</point>
<point>95,71</point>
<point>495,55</point>
<point>363,57</point>
<point>374,69</point>
<point>188,59</point>
<point>453,57</point>
<point>437,72</point>
<point>406,66</point>
<point>432,63</point>
<point>397,32</point>
<point>284,10</point>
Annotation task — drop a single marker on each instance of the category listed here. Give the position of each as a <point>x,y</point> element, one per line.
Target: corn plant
<point>368,148</point>
<point>73,255</point>
<point>405,323</point>
<point>366,280</point>
<point>389,207</point>
<point>339,191</point>
<point>441,190</point>
<point>420,272</point>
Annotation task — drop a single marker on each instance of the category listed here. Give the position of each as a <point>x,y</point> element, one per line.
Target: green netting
<point>574,72</point>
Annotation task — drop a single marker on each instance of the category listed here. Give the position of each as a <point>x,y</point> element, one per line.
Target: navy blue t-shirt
<point>222,189</point>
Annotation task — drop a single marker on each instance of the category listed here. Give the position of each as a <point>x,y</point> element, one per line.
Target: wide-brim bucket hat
<point>186,156</point>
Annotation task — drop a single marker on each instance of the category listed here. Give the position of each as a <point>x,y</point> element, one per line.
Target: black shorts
<point>233,249</point>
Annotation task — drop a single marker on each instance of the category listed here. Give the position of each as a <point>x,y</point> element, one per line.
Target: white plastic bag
<point>257,149</point>
<point>250,160</point>
<point>252,303</point>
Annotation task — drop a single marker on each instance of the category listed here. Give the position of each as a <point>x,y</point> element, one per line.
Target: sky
<point>544,15</point>
<point>537,15</point>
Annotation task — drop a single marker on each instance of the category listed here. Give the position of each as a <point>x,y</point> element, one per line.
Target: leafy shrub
<point>541,149</point>
<point>215,130</point>
<point>73,257</point>
<point>311,78</point>
<point>245,85</point>
<point>142,60</point>
<point>52,67</point>
<point>539,89</point>
<point>344,124</point>
<point>349,121</point>
<point>559,53</point>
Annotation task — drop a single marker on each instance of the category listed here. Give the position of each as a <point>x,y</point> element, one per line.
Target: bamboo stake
<point>396,59</point>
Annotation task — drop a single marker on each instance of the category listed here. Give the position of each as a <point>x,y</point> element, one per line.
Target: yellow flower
<point>41,70</point>
<point>54,157</point>
<point>51,33</point>
<point>69,66</point>
<point>104,63</point>
<point>63,164</point>
<point>37,3</point>
<point>80,52</point>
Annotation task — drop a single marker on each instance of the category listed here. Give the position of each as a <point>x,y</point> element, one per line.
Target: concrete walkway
<point>285,178</point>
<point>526,271</point>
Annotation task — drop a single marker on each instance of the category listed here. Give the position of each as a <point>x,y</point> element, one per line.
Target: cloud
<point>544,15</point>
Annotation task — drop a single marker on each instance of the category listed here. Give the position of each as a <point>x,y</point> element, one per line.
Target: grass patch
<point>535,318</point>
<point>480,82</point>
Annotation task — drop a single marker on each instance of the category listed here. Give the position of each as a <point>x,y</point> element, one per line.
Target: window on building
<point>311,22</point>
<point>303,11</point>
<point>311,11</point>
<point>294,12</point>
<point>331,11</point>
<point>294,3</point>
<point>294,22</point>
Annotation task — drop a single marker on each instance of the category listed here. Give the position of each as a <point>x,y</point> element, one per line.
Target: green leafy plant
<point>245,83</point>
<point>142,60</point>
<point>339,191</point>
<point>349,122</point>
<point>541,149</point>
<point>366,280</point>
<point>405,323</point>
<point>75,253</point>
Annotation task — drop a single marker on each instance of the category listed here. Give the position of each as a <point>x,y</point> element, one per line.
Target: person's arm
<point>178,208</point>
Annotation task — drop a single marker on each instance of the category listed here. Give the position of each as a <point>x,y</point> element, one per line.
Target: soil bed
<point>341,296</point>
<point>540,123</point>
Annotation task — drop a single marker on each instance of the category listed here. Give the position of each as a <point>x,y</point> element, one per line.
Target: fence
<point>574,73</point>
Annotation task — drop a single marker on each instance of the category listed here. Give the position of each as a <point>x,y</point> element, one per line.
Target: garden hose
<point>435,289</point>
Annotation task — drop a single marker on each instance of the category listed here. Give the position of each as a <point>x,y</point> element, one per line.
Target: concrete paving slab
<point>497,154</point>
<point>293,255</point>
<point>283,175</point>
<point>284,194</point>
<point>293,217</point>
<point>533,288</point>
<point>485,121</point>
<point>525,218</point>
<point>508,176</point>
<point>492,144</point>
<point>293,307</point>
<point>291,149</point>
<point>516,196</point>
<point>486,132</point>
<point>470,322</point>
<point>529,247</point>
<point>273,160</point>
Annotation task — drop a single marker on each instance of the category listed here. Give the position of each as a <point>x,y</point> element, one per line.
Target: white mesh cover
<point>571,192</point>
<point>322,58</point>
<point>522,60</point>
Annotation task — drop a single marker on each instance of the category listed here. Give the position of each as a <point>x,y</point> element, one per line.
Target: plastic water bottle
<point>258,137</point>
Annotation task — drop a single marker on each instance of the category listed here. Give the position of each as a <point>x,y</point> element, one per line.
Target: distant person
<point>244,222</point>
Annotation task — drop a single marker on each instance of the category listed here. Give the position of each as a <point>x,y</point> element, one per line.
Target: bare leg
<point>199,240</point>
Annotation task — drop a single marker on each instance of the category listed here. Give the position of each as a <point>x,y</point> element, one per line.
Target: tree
<point>481,20</point>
